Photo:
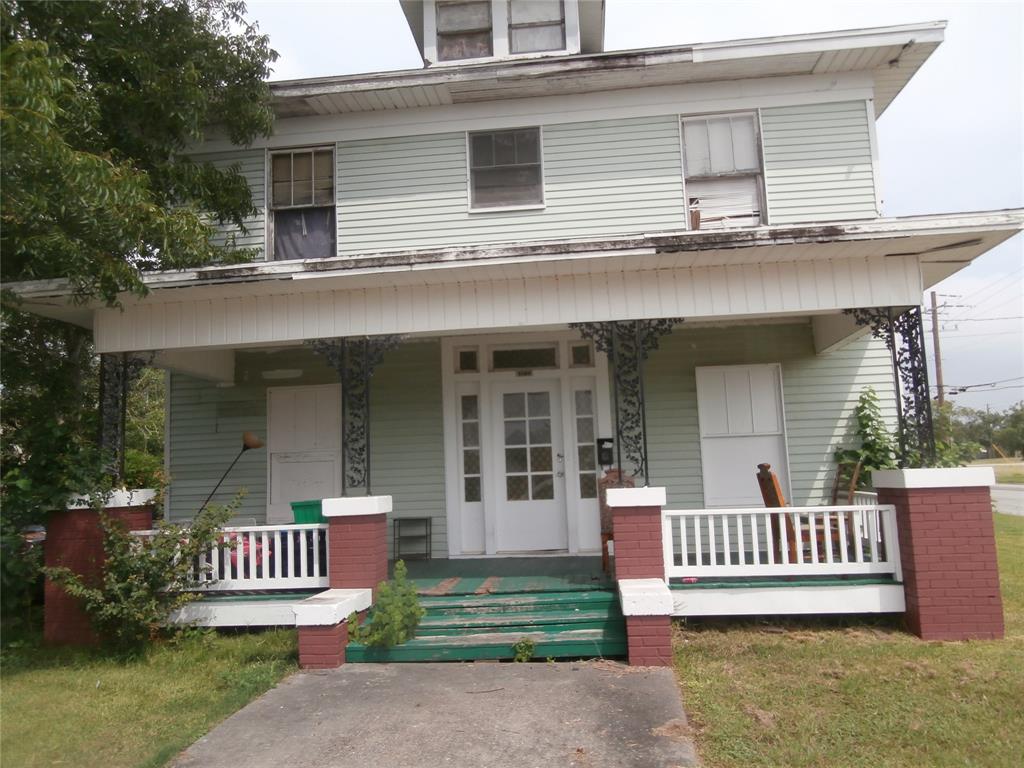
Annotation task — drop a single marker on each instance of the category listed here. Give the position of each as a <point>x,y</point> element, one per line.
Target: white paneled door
<point>304,446</point>
<point>741,425</point>
<point>530,504</point>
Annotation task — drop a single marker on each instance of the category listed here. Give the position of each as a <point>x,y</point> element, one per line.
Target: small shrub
<point>524,649</point>
<point>396,613</point>
<point>144,580</point>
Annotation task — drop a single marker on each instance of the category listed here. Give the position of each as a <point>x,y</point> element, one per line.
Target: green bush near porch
<point>81,708</point>
<point>805,693</point>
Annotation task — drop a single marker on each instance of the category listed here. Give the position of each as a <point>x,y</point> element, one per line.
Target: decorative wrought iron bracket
<point>628,343</point>
<point>118,371</point>
<point>903,334</point>
<point>355,360</point>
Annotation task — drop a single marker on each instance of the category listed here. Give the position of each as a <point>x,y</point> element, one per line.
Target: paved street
<point>1008,499</point>
<point>587,714</point>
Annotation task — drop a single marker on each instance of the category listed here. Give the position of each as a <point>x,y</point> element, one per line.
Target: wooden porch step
<point>535,601</point>
<point>577,643</point>
<point>550,621</point>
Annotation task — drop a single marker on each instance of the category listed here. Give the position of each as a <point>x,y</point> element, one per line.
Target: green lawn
<point>75,708</point>
<point>859,694</point>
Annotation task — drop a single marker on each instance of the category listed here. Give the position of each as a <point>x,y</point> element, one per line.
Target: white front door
<point>526,420</point>
<point>303,446</point>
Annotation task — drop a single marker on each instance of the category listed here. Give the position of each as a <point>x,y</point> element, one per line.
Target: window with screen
<point>505,168</point>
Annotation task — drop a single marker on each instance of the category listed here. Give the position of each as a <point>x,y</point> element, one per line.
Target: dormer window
<point>464,30</point>
<point>536,25</point>
<point>722,167</point>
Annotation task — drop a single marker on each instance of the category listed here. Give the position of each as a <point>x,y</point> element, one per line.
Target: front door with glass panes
<point>526,420</point>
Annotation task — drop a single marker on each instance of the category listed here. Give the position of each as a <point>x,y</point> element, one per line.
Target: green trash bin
<point>308,511</point>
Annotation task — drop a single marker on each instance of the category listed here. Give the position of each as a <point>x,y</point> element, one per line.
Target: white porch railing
<point>256,557</point>
<point>789,541</point>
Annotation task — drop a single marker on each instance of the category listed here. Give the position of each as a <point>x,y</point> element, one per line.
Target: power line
<point>980,319</point>
<point>986,384</point>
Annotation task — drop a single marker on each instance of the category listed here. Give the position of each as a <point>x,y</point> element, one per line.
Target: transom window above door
<point>505,169</point>
<point>302,203</point>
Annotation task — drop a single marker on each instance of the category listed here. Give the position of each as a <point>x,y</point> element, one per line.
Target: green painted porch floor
<point>567,611</point>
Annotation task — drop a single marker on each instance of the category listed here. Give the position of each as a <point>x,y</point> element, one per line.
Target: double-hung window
<point>302,203</point>
<point>505,169</point>
<point>464,30</point>
<point>536,25</point>
<point>722,167</point>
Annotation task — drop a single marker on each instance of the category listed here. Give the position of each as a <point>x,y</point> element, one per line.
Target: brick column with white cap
<point>640,570</point>
<point>947,550</point>
<point>357,548</point>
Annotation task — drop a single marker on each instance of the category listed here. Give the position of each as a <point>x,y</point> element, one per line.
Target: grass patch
<point>817,693</point>
<point>81,708</point>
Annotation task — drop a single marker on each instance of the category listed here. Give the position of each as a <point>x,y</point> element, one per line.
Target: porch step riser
<point>552,650</point>
<point>466,628</point>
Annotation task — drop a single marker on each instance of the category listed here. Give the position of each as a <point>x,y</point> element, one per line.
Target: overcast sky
<point>953,140</point>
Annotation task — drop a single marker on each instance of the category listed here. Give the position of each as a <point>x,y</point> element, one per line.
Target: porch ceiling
<point>767,271</point>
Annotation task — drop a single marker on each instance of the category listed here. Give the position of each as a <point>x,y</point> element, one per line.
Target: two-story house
<point>486,282</point>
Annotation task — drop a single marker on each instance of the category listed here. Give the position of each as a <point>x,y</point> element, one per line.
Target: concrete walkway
<point>585,714</point>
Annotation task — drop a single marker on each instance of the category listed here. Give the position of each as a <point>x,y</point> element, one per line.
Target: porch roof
<point>904,255</point>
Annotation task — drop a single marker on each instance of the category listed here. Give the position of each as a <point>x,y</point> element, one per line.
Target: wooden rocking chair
<point>771,493</point>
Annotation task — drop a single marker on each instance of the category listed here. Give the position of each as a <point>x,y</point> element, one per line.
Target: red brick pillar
<point>947,550</point>
<point>357,546</point>
<point>74,539</point>
<point>323,647</point>
<point>636,526</point>
<point>640,571</point>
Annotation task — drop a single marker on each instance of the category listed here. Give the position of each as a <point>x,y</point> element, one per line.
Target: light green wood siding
<point>817,163</point>
<point>252,165</point>
<point>407,460</point>
<point>600,179</point>
<point>819,393</point>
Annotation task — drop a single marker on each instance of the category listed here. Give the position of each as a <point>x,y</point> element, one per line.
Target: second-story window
<point>536,25</point>
<point>302,184</point>
<point>722,166</point>
<point>505,168</point>
<point>464,30</point>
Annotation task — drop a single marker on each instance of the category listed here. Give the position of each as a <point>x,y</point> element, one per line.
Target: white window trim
<point>268,186</point>
<point>758,147</point>
<point>499,35</point>
<point>504,208</point>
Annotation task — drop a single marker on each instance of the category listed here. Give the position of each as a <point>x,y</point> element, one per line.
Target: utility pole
<point>938,352</point>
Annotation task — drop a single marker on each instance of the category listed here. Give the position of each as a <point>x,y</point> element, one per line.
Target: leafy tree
<point>1010,436</point>
<point>99,105</point>
<point>100,102</point>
